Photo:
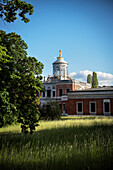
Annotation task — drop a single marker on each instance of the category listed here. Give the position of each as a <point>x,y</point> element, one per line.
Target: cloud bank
<point>103,78</point>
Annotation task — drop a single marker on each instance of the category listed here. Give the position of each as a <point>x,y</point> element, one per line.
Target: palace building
<point>94,101</point>
<point>75,97</point>
<point>60,83</point>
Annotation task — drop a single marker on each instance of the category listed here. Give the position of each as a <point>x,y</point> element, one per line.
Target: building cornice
<point>91,97</point>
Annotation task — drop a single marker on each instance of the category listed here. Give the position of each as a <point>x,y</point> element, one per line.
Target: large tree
<point>7,108</point>
<point>20,82</point>
<point>89,79</point>
<point>10,8</point>
<point>94,80</point>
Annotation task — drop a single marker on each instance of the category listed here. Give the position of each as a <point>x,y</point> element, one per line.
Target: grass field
<point>77,143</point>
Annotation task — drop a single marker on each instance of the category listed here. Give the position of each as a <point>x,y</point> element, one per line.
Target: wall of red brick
<point>63,87</point>
<point>72,110</point>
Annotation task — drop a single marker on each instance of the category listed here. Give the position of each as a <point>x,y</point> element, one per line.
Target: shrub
<point>50,111</point>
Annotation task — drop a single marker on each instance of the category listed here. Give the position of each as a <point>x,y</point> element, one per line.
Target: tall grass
<point>68,144</point>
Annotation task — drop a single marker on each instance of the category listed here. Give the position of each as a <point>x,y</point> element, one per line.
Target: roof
<point>57,81</point>
<point>102,92</point>
<point>105,88</point>
<point>60,61</point>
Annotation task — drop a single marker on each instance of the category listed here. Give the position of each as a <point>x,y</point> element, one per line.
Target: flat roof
<point>105,88</point>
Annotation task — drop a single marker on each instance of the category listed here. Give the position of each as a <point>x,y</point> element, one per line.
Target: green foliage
<point>6,113</point>
<point>20,82</point>
<point>69,144</point>
<point>10,8</point>
<point>94,80</point>
<point>50,111</point>
<point>6,69</point>
<point>89,79</point>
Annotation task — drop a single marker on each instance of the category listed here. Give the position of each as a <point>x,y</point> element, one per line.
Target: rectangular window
<point>43,93</point>
<point>53,93</point>
<point>92,107</point>
<point>79,107</point>
<point>48,93</point>
<point>63,107</point>
<point>67,90</point>
<point>60,92</point>
<point>106,107</point>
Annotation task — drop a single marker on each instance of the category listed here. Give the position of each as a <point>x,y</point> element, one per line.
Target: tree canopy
<point>20,83</point>
<point>9,9</point>
<point>94,80</point>
<point>89,79</point>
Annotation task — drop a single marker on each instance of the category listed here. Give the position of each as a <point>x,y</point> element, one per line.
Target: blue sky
<point>82,29</point>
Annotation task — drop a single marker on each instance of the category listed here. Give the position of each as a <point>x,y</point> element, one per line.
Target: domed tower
<point>60,68</point>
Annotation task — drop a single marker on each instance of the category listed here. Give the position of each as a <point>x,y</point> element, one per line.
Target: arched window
<point>57,71</point>
<point>62,71</point>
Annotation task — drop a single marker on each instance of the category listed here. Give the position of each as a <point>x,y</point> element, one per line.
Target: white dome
<point>60,61</point>
<point>60,67</point>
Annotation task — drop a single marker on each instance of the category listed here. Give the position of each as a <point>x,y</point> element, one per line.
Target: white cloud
<point>103,78</point>
<point>73,74</point>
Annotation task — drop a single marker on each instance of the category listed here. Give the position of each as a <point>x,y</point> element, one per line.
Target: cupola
<point>60,67</point>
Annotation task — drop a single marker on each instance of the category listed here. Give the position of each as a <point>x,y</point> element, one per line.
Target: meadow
<point>72,143</point>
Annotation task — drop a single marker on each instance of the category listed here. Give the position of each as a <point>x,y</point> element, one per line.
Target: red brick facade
<point>71,106</point>
<point>64,87</point>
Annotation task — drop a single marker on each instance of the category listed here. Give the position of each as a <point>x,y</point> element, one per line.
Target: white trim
<point>43,94</point>
<point>77,107</point>
<point>52,93</point>
<point>64,97</point>
<point>91,93</point>
<point>90,97</point>
<point>90,108</point>
<point>106,101</point>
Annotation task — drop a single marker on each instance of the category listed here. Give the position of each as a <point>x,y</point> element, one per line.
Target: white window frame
<point>50,93</point>
<point>43,94</point>
<point>55,93</point>
<point>90,107</point>
<point>106,101</point>
<point>77,107</point>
